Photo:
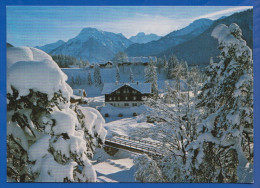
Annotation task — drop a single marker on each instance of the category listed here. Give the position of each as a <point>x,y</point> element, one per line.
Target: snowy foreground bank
<point>117,168</point>
<point>48,139</point>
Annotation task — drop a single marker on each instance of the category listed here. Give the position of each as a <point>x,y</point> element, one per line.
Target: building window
<point>134,92</point>
<point>126,104</point>
<point>134,98</point>
<point>126,98</point>
<point>118,92</point>
<point>134,104</point>
<point>119,98</point>
<point>114,98</point>
<point>110,98</point>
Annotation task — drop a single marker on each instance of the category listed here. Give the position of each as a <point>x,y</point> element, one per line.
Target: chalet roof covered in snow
<point>141,87</point>
<point>141,59</point>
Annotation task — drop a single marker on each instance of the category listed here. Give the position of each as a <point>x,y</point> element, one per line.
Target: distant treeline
<point>65,61</point>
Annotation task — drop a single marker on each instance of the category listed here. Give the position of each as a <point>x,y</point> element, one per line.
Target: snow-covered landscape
<point>150,107</point>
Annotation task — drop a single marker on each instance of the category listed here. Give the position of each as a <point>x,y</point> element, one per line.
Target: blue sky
<point>32,25</point>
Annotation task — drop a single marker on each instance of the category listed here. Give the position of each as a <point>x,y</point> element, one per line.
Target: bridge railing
<point>139,144</point>
<point>139,140</point>
<point>152,148</point>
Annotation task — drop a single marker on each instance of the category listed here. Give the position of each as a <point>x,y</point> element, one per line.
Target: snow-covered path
<point>115,170</point>
<point>118,168</point>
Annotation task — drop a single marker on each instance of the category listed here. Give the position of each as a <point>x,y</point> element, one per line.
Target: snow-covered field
<point>108,75</point>
<point>125,126</point>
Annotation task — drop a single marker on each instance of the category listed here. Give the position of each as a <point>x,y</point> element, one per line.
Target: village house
<point>109,64</point>
<point>126,94</point>
<point>139,60</point>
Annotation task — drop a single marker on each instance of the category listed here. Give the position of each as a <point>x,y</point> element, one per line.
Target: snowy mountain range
<point>91,44</point>
<point>199,49</point>
<point>141,38</point>
<point>98,46</point>
<point>172,39</point>
<point>192,43</point>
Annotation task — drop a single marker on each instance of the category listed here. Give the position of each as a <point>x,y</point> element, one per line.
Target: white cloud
<point>225,12</point>
<point>157,24</point>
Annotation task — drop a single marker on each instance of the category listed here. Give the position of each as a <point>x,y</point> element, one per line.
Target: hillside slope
<point>199,49</point>
<point>172,39</point>
<point>49,47</point>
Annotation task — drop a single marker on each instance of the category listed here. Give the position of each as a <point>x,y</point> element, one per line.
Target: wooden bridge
<point>136,145</point>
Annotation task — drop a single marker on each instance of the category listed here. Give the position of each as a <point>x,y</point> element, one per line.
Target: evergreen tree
<point>185,69</point>
<point>48,139</point>
<point>89,79</point>
<point>117,75</point>
<point>131,76</point>
<point>172,65</point>
<point>97,76</point>
<point>194,79</point>
<point>165,64</point>
<point>160,64</point>
<point>151,77</point>
<point>147,170</point>
<point>229,125</point>
<point>78,80</point>
<point>120,57</point>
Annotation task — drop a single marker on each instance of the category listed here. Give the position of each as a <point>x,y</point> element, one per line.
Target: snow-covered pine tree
<point>176,124</point>
<point>206,98</point>
<point>117,75</point>
<point>47,141</point>
<point>160,64</point>
<point>80,63</point>
<point>185,69</point>
<point>194,79</point>
<point>147,170</point>
<point>85,63</point>
<point>151,77</point>
<point>171,68</point>
<point>131,76</point>
<point>227,132</point>
<point>89,79</point>
<point>97,76</point>
<point>72,82</point>
<point>78,80</point>
<point>120,57</point>
<point>165,64</point>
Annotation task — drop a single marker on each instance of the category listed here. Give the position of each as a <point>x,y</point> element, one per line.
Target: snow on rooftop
<point>141,87</point>
<point>141,59</point>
